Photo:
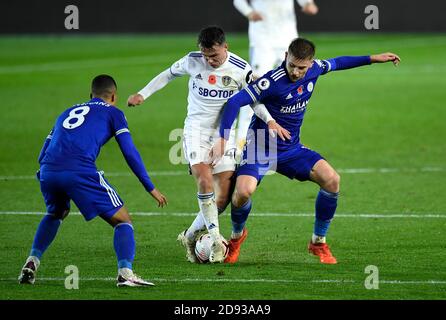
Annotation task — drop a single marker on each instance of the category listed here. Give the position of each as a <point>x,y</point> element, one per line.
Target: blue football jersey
<point>285,100</point>
<point>79,134</point>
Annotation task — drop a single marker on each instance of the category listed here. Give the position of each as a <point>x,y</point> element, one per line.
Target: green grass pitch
<point>382,127</point>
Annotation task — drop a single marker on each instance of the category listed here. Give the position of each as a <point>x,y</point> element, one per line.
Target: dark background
<point>147,16</point>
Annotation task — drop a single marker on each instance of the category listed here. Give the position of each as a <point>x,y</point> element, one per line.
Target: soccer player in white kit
<point>272,26</point>
<point>215,74</point>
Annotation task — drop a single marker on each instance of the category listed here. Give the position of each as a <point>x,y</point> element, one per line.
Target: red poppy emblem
<point>212,79</point>
<point>300,90</point>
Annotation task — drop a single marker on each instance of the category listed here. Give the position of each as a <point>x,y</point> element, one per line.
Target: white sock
<point>236,235</point>
<point>125,271</point>
<point>208,207</point>
<point>33,259</point>
<point>317,239</point>
<point>197,225</point>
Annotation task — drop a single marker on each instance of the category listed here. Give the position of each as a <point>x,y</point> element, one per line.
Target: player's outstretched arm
<point>385,57</point>
<point>135,163</point>
<point>348,62</point>
<point>157,83</point>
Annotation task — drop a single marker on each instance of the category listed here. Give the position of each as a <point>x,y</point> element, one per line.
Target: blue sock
<point>326,203</point>
<point>124,243</point>
<point>45,234</point>
<point>239,216</point>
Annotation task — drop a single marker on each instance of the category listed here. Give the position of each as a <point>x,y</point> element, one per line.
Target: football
<point>203,248</point>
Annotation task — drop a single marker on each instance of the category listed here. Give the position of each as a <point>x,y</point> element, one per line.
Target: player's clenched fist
<point>135,99</point>
<point>255,16</point>
<point>310,9</point>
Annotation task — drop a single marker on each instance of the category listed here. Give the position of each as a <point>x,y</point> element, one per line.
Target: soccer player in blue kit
<point>286,92</point>
<point>68,172</point>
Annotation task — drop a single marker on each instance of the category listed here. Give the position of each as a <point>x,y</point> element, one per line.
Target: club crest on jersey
<point>226,80</point>
<point>263,84</point>
<point>212,79</point>
<point>310,86</point>
<point>300,90</point>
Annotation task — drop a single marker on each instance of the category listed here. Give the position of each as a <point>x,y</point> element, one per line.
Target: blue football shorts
<point>90,191</point>
<point>294,164</point>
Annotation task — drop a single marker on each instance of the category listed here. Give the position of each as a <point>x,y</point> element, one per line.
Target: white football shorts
<point>198,143</point>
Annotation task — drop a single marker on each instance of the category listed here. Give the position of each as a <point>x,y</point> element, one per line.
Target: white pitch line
<point>412,282</point>
<point>264,214</point>
<point>184,172</point>
<point>391,170</point>
<point>186,280</point>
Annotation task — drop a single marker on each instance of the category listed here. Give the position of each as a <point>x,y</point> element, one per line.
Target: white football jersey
<point>278,26</point>
<point>210,88</point>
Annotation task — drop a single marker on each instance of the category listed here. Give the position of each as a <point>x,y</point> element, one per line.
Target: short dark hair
<point>103,86</point>
<point>210,36</point>
<point>302,49</point>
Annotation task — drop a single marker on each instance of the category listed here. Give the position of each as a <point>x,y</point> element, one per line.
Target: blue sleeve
<point>134,160</point>
<point>343,63</point>
<point>231,109</point>
<point>45,145</point>
<point>253,93</point>
<point>119,121</point>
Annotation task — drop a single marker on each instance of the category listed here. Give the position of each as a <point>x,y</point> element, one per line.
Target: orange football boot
<point>234,247</point>
<point>323,251</point>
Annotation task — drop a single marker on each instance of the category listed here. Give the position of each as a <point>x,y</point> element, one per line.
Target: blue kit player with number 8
<point>68,172</point>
